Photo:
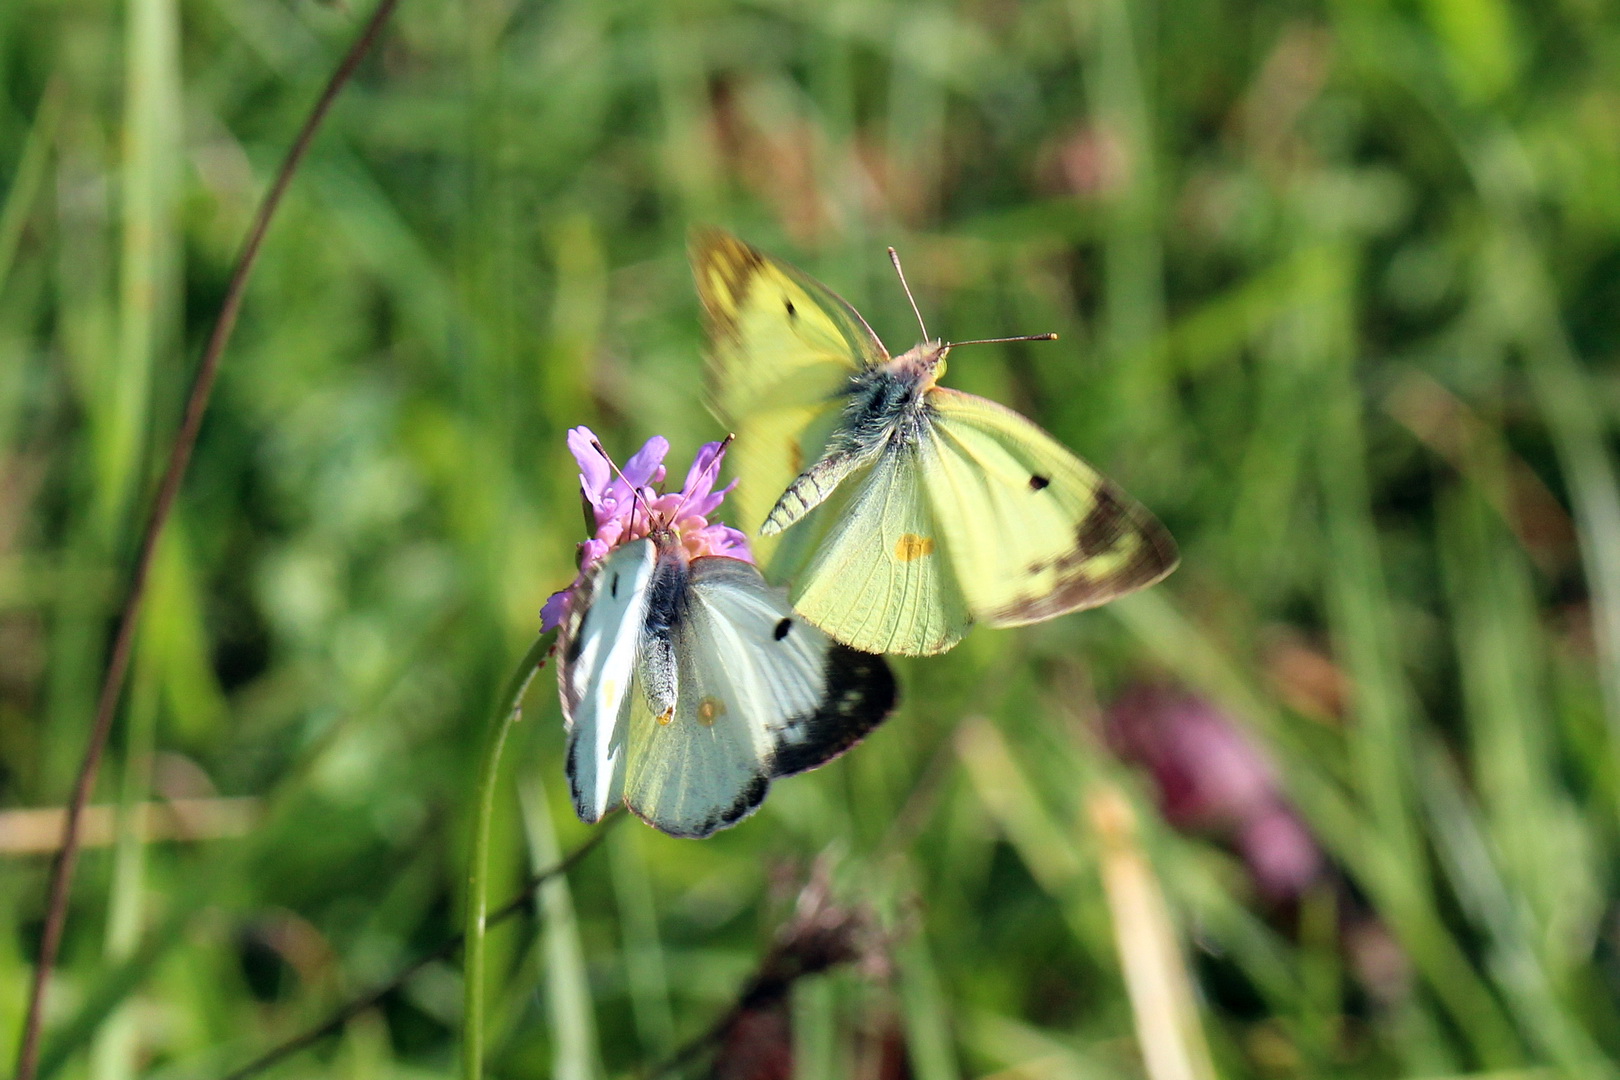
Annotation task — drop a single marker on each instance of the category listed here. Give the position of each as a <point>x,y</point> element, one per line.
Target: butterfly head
<point>925,363</point>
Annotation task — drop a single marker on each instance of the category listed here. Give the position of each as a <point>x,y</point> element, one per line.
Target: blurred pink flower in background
<point>1096,162</point>
<point>1280,853</point>
<point>1210,778</point>
<point>619,516</point>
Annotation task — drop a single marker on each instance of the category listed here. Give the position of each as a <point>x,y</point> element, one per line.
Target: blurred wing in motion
<point>781,350</point>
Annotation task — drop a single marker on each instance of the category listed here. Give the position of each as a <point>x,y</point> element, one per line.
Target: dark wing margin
<point>1114,518</point>
<point>859,694</point>
<point>727,269</point>
<point>763,693</point>
<point>748,800</point>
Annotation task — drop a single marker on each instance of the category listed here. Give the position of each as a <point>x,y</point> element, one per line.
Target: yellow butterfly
<point>918,509</point>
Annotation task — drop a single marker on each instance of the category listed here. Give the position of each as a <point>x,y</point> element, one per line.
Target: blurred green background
<point>1337,288</point>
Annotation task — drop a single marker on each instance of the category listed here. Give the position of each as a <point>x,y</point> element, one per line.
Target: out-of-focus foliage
<point>1337,289</point>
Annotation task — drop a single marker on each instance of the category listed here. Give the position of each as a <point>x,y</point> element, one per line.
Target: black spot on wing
<point>793,312</point>
<point>859,692</point>
<point>1038,482</point>
<point>614,588</point>
<point>782,629</point>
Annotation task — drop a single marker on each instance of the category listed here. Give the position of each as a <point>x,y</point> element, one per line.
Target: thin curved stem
<point>477,917</point>
<point>185,440</point>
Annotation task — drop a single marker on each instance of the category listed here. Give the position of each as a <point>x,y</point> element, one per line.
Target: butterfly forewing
<point>768,454</point>
<point>772,327</point>
<point>858,694</point>
<point>599,644</point>
<point>762,694</point>
<point>1031,531</point>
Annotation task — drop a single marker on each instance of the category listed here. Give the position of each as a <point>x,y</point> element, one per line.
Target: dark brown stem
<point>185,441</point>
<point>365,1001</point>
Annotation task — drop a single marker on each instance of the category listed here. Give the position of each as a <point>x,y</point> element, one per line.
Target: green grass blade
<point>569,1002</point>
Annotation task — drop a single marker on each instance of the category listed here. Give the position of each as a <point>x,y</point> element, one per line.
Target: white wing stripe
<point>602,676</point>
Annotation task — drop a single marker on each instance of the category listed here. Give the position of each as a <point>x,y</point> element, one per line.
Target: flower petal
<point>555,609</point>
<point>594,472</point>
<point>732,543</point>
<point>709,503</point>
<point>646,466</point>
<point>593,551</point>
<point>700,477</point>
<point>619,506</point>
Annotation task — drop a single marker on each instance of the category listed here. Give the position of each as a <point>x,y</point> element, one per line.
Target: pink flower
<point>619,516</point>
<point>1212,779</point>
<point>1207,772</point>
<point>1280,853</point>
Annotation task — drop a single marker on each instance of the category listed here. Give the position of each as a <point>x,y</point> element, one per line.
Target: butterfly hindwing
<point>1031,531</point>
<point>599,644</point>
<point>877,578</point>
<point>762,693</point>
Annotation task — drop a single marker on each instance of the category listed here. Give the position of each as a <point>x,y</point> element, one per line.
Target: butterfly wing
<point>762,694</point>
<point>877,577</point>
<point>779,336</point>
<point>1031,531</point>
<point>782,348</point>
<point>599,642</point>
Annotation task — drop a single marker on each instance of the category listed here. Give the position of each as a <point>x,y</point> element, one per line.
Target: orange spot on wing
<point>911,546</point>
<point>709,710</point>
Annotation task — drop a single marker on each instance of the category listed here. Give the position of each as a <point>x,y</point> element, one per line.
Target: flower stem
<point>510,708</point>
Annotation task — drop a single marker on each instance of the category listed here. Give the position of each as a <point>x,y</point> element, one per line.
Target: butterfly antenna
<point>1003,340</point>
<point>714,463</point>
<point>894,257</point>
<point>635,492</point>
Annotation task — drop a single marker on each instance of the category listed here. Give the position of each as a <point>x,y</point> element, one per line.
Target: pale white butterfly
<point>687,683</point>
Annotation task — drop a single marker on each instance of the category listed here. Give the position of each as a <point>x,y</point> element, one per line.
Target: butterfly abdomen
<point>809,489</point>
<point>669,599</point>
